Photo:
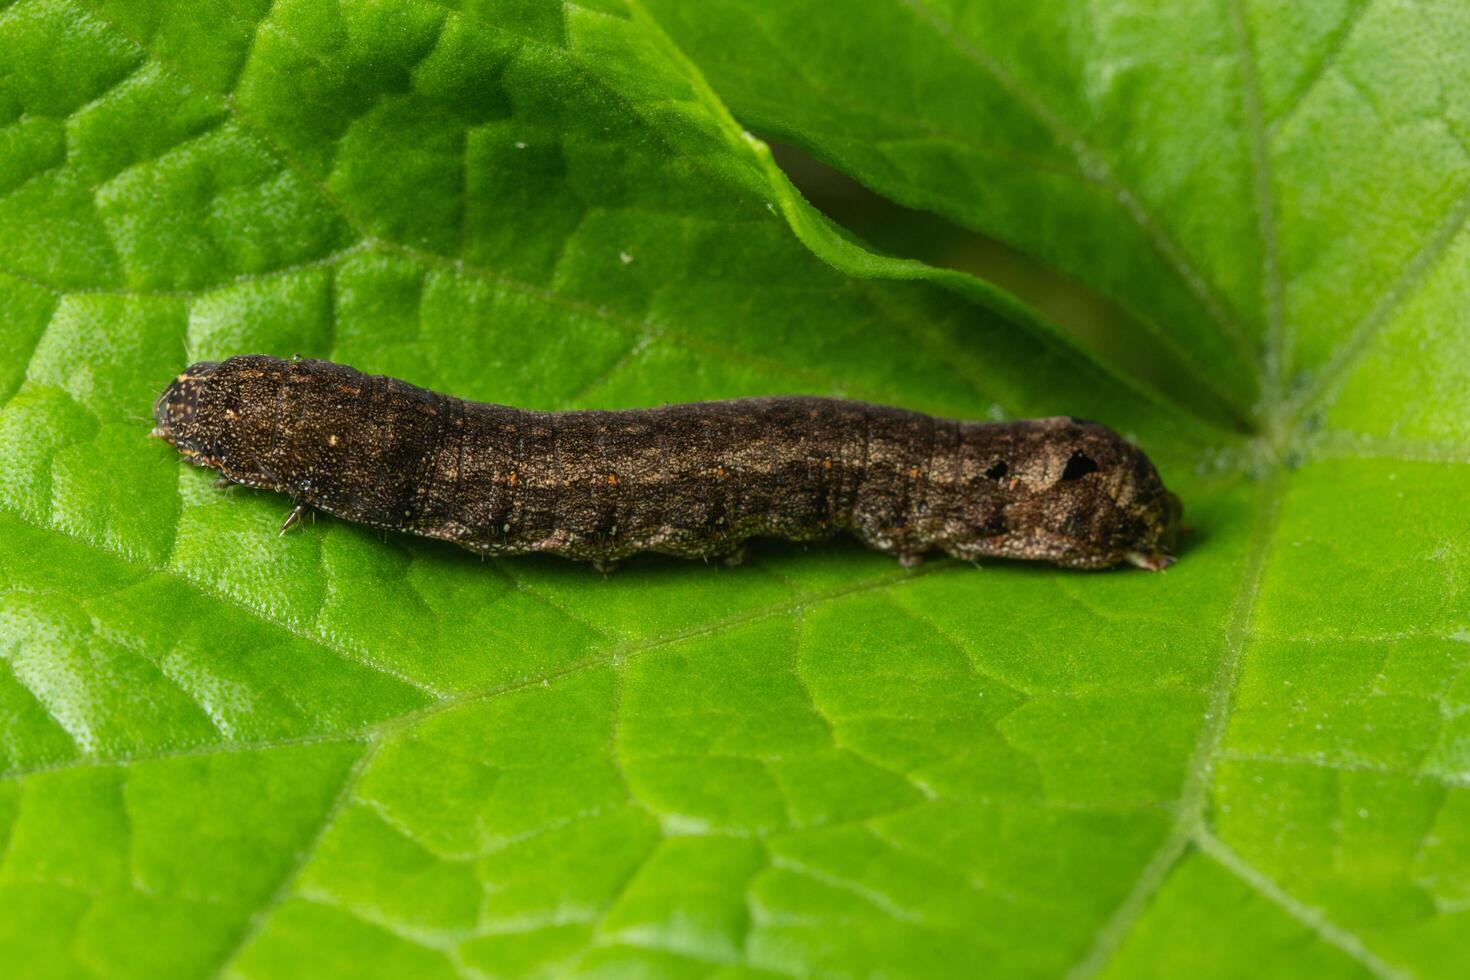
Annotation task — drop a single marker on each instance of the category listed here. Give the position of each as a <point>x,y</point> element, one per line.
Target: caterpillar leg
<point>911,560</point>
<point>605,567</point>
<point>223,483</point>
<point>294,518</point>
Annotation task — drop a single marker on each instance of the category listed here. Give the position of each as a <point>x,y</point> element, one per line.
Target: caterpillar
<point>692,480</point>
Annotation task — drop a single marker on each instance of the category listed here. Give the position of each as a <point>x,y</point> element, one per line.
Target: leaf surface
<point>333,754</point>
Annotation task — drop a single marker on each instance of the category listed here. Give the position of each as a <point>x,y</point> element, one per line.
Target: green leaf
<point>225,752</point>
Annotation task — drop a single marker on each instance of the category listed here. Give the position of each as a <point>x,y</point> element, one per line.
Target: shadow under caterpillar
<point>692,480</point>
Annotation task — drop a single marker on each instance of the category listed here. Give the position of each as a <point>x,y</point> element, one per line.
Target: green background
<point>331,754</point>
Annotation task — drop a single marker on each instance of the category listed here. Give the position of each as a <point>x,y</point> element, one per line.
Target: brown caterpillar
<point>691,480</point>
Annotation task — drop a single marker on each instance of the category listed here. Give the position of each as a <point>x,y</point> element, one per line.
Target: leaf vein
<point>1330,57</point>
<point>226,599</point>
<point>256,922</point>
<point>1313,918</point>
<point>1451,780</point>
<point>1415,271</point>
<point>1277,348</point>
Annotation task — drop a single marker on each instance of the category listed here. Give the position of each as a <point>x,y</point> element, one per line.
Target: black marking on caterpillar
<point>690,480</point>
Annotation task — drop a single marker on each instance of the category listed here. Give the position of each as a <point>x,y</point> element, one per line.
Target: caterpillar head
<point>1080,495</point>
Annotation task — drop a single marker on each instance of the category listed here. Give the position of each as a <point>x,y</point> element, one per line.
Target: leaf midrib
<point>1283,434</point>
<point>1194,796</point>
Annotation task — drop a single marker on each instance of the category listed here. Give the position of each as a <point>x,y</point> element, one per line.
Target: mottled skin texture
<point>690,480</point>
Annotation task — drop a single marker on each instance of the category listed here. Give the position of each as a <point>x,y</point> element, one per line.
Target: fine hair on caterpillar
<point>694,480</point>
